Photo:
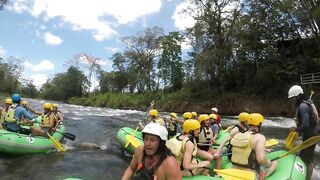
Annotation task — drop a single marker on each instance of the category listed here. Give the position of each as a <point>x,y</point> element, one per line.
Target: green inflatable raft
<point>289,167</point>
<point>126,133</point>
<point>15,143</point>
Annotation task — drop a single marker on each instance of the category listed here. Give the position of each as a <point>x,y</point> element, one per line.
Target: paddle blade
<point>271,142</point>
<point>235,174</point>
<point>57,144</point>
<point>132,140</point>
<point>309,142</point>
<point>70,136</point>
<point>291,139</point>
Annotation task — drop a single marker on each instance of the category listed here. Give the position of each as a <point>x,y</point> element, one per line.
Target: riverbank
<point>229,104</point>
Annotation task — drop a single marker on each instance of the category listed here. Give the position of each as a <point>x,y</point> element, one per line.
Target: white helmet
<point>214,109</point>
<point>156,129</point>
<point>295,91</point>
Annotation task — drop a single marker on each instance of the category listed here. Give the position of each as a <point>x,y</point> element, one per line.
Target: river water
<point>95,154</point>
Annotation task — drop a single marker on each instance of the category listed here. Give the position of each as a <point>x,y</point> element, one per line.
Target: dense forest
<point>245,55</point>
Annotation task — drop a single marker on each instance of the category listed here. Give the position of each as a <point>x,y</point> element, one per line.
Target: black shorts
<point>307,154</point>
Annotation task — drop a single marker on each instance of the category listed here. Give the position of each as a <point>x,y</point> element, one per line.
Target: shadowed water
<point>95,154</point>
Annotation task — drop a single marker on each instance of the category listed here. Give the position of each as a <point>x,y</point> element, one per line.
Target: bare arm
<point>187,157</point>
<point>233,132</point>
<point>128,173</point>
<point>173,169</point>
<point>35,112</point>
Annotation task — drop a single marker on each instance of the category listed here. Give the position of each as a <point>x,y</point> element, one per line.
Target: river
<point>95,154</point>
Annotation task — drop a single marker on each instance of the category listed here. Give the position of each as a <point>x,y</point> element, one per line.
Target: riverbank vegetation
<point>244,56</point>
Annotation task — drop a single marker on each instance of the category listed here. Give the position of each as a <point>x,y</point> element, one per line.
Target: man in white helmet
<point>153,160</point>
<point>306,124</point>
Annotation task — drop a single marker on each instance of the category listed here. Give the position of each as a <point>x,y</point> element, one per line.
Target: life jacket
<point>206,135</point>
<point>46,119</point>
<point>241,130</point>
<point>157,120</point>
<point>172,126</point>
<point>3,114</point>
<point>314,115</point>
<point>242,150</point>
<point>177,147</point>
<point>9,116</point>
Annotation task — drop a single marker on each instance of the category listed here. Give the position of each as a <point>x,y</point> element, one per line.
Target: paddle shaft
<point>67,135</point>
<point>309,142</point>
<point>135,131</point>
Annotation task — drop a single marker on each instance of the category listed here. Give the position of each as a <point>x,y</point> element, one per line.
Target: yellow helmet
<point>174,115</point>
<point>8,101</point>
<point>47,105</point>
<point>153,112</point>
<point>190,125</point>
<point>187,115</point>
<point>55,105</point>
<point>255,119</point>
<point>24,102</point>
<point>244,117</point>
<point>213,116</point>
<point>203,117</point>
<point>194,114</point>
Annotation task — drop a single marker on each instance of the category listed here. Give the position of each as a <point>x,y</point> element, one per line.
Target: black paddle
<point>68,135</point>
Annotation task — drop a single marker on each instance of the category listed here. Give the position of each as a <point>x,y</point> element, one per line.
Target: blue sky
<point>45,33</point>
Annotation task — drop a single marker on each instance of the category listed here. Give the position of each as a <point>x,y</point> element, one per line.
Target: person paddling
<point>153,160</point>
<point>185,149</point>
<point>306,125</point>
<point>46,125</point>
<point>3,111</point>
<point>172,125</point>
<point>15,114</point>
<point>241,127</point>
<point>248,149</point>
<point>153,117</point>
<point>57,116</point>
<point>206,137</point>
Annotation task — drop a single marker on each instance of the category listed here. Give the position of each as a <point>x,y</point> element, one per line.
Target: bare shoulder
<point>170,161</point>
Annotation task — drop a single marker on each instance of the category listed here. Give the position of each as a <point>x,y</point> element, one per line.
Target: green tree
<point>63,86</point>
<point>170,63</point>
<point>142,52</point>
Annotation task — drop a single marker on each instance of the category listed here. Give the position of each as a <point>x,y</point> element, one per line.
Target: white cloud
<point>95,15</point>
<point>111,49</point>
<point>52,39</point>
<point>186,45</point>
<point>19,6</point>
<point>2,51</point>
<point>39,79</point>
<point>44,65</point>
<point>183,20</point>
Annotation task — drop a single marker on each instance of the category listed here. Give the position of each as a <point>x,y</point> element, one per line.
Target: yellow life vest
<point>46,119</point>
<point>242,144</point>
<point>177,147</point>
<point>3,115</point>
<point>160,121</point>
<point>9,117</point>
<point>171,126</point>
<point>206,135</point>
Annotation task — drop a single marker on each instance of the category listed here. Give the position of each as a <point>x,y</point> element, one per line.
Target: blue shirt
<point>21,111</point>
